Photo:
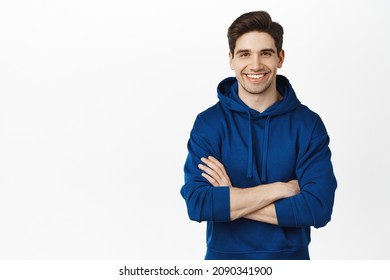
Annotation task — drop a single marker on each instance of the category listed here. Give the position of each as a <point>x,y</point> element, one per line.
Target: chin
<point>259,89</point>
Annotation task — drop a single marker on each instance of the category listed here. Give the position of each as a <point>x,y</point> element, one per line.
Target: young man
<point>259,167</point>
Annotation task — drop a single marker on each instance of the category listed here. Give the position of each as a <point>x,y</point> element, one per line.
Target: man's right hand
<point>291,188</point>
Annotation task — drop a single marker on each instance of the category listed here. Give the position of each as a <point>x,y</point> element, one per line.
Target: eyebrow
<point>268,50</point>
<point>248,50</point>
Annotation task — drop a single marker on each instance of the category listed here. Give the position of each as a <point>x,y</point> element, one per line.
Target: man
<point>259,167</point>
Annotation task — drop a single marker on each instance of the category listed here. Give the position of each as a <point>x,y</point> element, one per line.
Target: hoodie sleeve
<point>313,205</point>
<point>204,202</point>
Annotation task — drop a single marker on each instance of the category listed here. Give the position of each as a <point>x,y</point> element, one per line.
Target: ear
<point>281,58</point>
<point>231,60</point>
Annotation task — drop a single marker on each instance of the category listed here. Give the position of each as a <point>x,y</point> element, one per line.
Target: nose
<point>256,63</point>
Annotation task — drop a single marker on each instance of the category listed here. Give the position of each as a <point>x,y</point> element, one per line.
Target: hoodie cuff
<point>285,213</point>
<point>221,204</point>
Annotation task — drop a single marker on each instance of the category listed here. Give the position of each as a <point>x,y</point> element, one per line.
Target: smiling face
<point>255,62</point>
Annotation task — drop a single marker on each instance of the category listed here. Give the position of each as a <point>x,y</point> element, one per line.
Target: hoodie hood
<point>228,96</point>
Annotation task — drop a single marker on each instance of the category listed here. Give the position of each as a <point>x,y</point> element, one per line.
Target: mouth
<point>256,77</point>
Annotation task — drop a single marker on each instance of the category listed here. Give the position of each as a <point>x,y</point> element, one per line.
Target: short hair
<point>255,21</point>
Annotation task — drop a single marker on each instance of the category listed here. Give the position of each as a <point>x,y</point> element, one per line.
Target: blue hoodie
<point>287,141</point>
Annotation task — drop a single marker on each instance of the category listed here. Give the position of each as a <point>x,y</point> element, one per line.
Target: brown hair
<point>255,21</point>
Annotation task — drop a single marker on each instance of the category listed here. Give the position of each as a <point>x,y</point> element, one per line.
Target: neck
<point>260,101</point>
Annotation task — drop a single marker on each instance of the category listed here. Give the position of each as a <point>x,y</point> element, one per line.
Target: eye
<point>244,54</point>
<point>266,54</point>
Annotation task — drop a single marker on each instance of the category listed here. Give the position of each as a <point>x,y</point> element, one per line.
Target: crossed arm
<point>255,203</point>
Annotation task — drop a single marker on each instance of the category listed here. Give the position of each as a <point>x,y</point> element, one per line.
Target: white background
<point>97,99</point>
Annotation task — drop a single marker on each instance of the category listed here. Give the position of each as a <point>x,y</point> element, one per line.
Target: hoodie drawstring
<point>264,149</point>
<point>250,148</point>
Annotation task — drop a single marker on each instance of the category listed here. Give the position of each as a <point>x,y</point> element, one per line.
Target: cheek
<point>274,64</point>
<point>237,66</point>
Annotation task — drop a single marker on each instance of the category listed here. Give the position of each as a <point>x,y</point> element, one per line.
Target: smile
<point>255,76</point>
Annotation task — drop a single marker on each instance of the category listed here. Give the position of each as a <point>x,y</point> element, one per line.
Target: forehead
<point>255,41</point>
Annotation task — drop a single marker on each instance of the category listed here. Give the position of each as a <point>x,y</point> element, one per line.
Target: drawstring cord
<point>249,173</point>
<point>265,151</point>
<point>250,148</point>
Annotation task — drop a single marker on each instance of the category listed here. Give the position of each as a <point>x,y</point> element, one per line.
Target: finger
<point>218,179</point>
<point>215,175</point>
<point>211,180</point>
<point>213,165</point>
<point>215,161</point>
<point>220,174</point>
<point>219,164</point>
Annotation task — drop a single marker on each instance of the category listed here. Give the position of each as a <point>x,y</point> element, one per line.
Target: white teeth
<point>255,76</point>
